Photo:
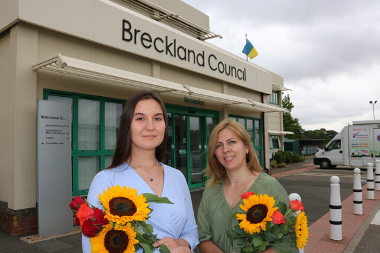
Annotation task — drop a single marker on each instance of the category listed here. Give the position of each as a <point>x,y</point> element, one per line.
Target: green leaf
<point>282,208</point>
<point>239,230</point>
<point>147,248</point>
<point>138,231</point>
<point>137,246</point>
<point>270,237</point>
<point>248,249</point>
<point>232,234</point>
<point>241,241</point>
<point>279,235</point>
<point>154,198</point>
<point>164,249</point>
<point>263,246</point>
<point>284,228</point>
<point>257,241</point>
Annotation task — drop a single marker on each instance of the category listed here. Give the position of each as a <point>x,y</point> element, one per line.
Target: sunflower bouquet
<point>263,225</point>
<point>121,225</point>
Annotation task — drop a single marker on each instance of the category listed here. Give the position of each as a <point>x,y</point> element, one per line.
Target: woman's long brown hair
<point>124,137</point>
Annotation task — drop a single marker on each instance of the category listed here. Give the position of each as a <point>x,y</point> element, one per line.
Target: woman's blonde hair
<point>214,170</point>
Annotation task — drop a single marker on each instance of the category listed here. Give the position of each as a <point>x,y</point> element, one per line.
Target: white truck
<point>356,145</point>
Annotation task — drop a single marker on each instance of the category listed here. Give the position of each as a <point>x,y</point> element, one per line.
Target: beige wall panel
<point>121,60</point>
<point>51,43</point>
<point>173,99</point>
<point>186,11</point>
<point>100,21</point>
<point>22,190</point>
<point>182,76</point>
<point>243,92</point>
<point>263,79</point>
<point>4,114</point>
<point>244,112</point>
<point>277,79</point>
<point>8,13</point>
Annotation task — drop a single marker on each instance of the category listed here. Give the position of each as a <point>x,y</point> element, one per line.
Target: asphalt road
<point>314,188</point>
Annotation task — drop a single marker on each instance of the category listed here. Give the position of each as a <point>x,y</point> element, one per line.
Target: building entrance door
<point>188,148</point>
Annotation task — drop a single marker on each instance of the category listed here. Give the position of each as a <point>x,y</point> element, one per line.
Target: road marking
<point>376,219</point>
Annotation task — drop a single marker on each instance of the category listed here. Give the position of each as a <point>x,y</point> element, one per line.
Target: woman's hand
<point>173,243</point>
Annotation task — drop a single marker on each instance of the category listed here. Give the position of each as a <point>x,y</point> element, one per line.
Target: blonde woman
<point>233,169</point>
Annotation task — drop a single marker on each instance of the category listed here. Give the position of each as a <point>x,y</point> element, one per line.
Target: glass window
<point>95,124</point>
<point>274,98</point>
<point>112,121</point>
<point>88,124</point>
<point>335,144</point>
<point>275,141</point>
<point>257,133</point>
<point>88,166</point>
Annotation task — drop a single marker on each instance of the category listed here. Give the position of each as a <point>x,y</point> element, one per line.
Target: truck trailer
<point>356,145</point>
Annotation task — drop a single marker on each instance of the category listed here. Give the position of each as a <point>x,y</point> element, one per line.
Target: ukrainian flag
<point>249,50</point>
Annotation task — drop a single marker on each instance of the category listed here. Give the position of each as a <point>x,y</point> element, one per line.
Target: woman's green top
<point>215,214</point>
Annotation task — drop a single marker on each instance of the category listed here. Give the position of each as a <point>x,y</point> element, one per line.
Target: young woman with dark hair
<point>140,147</point>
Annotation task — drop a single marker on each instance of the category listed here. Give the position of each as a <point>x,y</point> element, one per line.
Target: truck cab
<point>331,155</point>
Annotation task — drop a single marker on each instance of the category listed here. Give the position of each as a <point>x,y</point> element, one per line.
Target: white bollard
<point>292,197</point>
<point>377,175</point>
<point>370,182</point>
<point>358,196</point>
<point>335,210</point>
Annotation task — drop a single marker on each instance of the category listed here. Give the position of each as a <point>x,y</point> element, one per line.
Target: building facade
<point>94,54</point>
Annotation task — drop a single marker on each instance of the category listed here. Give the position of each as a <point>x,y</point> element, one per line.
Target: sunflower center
<point>116,241</point>
<point>257,213</point>
<point>121,206</point>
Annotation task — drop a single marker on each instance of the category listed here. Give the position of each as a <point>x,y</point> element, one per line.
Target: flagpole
<point>246,39</point>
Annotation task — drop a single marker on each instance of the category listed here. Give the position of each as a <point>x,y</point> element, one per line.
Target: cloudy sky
<point>328,52</point>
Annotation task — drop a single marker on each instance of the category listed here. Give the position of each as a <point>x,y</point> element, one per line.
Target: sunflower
<point>259,210</point>
<point>120,239</point>
<point>302,231</point>
<point>124,205</point>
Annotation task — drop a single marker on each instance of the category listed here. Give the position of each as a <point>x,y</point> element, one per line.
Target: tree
<point>322,133</point>
<point>291,124</point>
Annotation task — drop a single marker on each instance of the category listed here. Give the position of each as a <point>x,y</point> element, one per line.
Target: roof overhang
<point>279,132</point>
<point>277,87</point>
<point>71,66</point>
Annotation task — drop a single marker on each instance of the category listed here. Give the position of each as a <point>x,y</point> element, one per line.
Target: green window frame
<point>274,98</point>
<point>254,128</point>
<point>275,142</point>
<point>101,155</point>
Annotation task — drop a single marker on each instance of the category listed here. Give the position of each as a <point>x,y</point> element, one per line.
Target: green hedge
<point>287,157</point>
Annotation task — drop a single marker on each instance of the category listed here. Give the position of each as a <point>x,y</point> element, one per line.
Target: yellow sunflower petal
<point>121,239</point>
<point>259,210</point>
<point>302,231</point>
<point>122,205</point>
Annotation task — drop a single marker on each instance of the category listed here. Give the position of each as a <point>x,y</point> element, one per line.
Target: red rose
<point>247,195</point>
<point>278,218</point>
<point>296,205</point>
<point>77,221</point>
<point>85,212</point>
<point>91,228</point>
<point>76,203</point>
<point>99,216</point>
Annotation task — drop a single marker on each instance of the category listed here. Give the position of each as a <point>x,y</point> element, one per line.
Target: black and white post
<point>335,210</point>
<point>370,182</point>
<point>377,175</point>
<point>358,195</point>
